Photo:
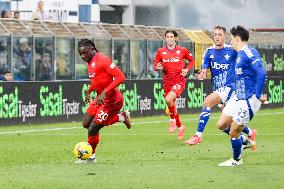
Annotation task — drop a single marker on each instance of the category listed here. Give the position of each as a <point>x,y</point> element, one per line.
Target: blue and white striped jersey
<point>250,74</point>
<point>221,63</point>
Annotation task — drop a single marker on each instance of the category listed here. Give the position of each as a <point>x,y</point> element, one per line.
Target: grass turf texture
<point>146,156</point>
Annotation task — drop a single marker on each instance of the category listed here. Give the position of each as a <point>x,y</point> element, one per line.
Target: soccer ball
<point>83,150</point>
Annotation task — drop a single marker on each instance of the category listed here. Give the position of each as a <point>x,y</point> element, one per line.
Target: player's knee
<point>221,125</point>
<point>169,101</point>
<point>207,103</point>
<point>234,134</point>
<point>86,124</point>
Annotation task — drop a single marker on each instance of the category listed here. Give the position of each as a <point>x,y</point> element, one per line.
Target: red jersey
<point>173,63</point>
<point>104,75</point>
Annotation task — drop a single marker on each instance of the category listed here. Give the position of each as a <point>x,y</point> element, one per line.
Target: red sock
<point>93,140</point>
<point>112,120</point>
<point>178,122</point>
<point>172,111</point>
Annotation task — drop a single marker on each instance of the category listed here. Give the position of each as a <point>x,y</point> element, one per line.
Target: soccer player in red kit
<point>170,59</point>
<point>105,76</point>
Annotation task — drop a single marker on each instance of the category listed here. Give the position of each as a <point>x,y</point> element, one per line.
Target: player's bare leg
<point>87,120</point>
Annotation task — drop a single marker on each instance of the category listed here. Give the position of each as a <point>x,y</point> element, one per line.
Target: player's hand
<point>263,99</point>
<point>101,97</point>
<point>87,98</point>
<point>159,66</point>
<point>184,72</point>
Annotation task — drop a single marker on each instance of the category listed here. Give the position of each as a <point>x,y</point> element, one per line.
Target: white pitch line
<point>146,134</point>
<point>135,123</point>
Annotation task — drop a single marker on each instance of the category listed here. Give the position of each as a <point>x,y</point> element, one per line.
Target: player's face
<point>86,53</point>
<point>219,37</point>
<point>171,39</point>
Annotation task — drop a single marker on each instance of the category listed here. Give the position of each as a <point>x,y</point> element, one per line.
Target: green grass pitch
<point>146,156</point>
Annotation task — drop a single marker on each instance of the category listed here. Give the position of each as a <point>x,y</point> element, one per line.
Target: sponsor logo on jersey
<point>164,53</point>
<point>92,75</point>
<point>190,54</point>
<point>171,60</point>
<point>238,60</point>
<point>219,66</point>
<point>227,56</point>
<point>93,64</point>
<point>238,71</point>
<point>178,51</point>
<point>211,56</point>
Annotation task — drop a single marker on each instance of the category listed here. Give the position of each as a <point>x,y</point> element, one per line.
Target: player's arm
<point>191,63</point>
<point>87,94</point>
<point>257,66</point>
<point>205,66</point>
<point>158,61</point>
<point>116,73</point>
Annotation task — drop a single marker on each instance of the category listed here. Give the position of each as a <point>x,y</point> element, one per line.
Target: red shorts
<point>177,88</point>
<point>104,112</point>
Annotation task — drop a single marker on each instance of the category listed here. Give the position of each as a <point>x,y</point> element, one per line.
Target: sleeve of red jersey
<point>158,59</point>
<point>116,73</point>
<point>190,59</point>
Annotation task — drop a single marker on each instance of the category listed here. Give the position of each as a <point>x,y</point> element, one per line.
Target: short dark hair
<point>5,72</point>
<point>171,31</point>
<point>220,28</point>
<point>196,71</point>
<point>87,43</point>
<point>240,31</point>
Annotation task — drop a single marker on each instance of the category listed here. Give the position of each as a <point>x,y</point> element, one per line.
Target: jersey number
<point>102,116</point>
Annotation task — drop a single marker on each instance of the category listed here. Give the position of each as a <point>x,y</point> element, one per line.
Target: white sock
<point>244,138</point>
<point>199,134</point>
<point>121,118</point>
<point>250,133</point>
<point>180,128</point>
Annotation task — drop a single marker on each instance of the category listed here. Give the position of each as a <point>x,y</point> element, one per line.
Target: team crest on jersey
<point>227,56</point>
<point>112,65</point>
<point>211,56</point>
<point>178,51</point>
<point>93,64</point>
<point>164,52</point>
<point>238,71</point>
<point>238,60</point>
<point>92,75</point>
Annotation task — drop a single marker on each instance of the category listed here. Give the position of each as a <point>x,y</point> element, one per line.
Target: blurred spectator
<point>3,54</point>
<point>6,14</point>
<point>195,75</point>
<point>43,67</point>
<point>39,13</point>
<point>6,76</point>
<point>23,60</point>
<point>17,15</point>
